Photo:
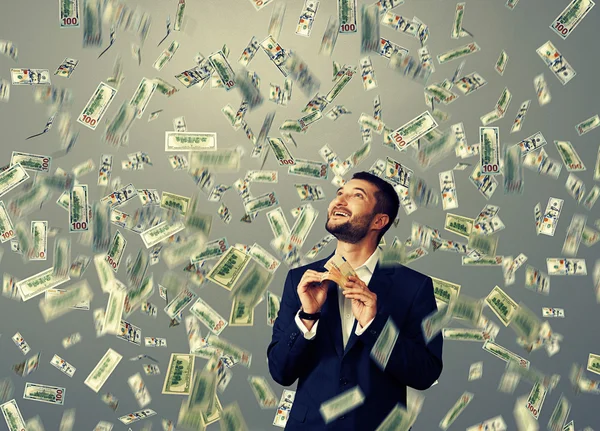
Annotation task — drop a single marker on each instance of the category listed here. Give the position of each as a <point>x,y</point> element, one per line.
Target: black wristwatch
<point>306,316</point>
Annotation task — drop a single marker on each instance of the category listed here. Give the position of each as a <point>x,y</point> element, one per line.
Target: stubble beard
<point>350,231</point>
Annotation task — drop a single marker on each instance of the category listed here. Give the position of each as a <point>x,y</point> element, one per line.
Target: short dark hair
<point>386,198</point>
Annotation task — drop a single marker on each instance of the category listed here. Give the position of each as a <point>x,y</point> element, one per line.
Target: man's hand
<point>364,302</point>
<point>312,291</point>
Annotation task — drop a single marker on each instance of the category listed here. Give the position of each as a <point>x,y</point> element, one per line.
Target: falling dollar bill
<point>570,18</point>
<point>78,209</point>
<point>347,16</point>
<point>97,106</point>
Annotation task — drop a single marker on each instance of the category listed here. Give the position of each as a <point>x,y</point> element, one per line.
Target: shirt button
<point>347,316</point>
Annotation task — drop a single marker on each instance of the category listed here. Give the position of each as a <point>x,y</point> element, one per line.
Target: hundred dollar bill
<point>570,18</point>
<point>178,377</point>
<point>229,268</point>
<point>142,96</point>
<point>208,316</point>
<point>97,105</point>
<point>461,334</point>
<point>11,178</point>
<point>457,30</point>
<point>532,143</point>
<point>574,235</point>
<point>102,371</point>
<point>39,283</point>
<point>249,52</point>
<point>340,404</point>
<point>139,389</point>
<point>501,63</point>
<point>283,155</point>
<point>105,169</point>
<point>39,232</point>
<point>513,170</point>
<point>460,52</point>
<point>302,226</point>
<point>179,302</point>
<point>308,168</point>
<point>502,305</point>
<point>78,209</point>
<point>223,69</point>
<point>179,15</point>
<point>190,141</point>
<point>166,56</point>
<point>413,130</point>
<point>260,203</point>
<point>518,123</point>
<point>7,230</point>
<point>263,392</point>
<point>330,36</point>
<point>210,250</point>
<point>30,76</point>
<point>553,312</point>
<point>59,301</point>
<point>575,186</point>
<point>556,62</point>
<point>445,291</point>
<point>456,409</point>
<point>448,190</point>
<point>504,354</point>
<point>134,417</point>
<point>307,18</point>
<point>92,25</point>
<point>541,89</point>
<point>114,307</point>
<point>116,251</point>
<point>30,161</point>
<point>12,416</point>
<point>560,266</point>
<point>68,13</point>
<point>385,343</point>
<point>262,176</point>
<point>593,363</point>
<point>63,366</point>
<point>44,393</point>
<point>347,16</point>
<point>175,202</point>
<point>587,125</point>
<point>503,102</point>
<point>160,232</point>
<point>559,414</point>
<point>589,200</point>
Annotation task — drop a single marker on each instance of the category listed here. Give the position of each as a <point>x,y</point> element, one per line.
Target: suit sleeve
<point>412,362</point>
<point>289,350</point>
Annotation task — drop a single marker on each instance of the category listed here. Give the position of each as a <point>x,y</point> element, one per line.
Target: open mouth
<point>340,214</point>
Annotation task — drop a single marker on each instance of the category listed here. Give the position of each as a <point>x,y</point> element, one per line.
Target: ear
<point>381,221</point>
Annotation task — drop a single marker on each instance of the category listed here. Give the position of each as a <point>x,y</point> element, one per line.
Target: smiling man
<point>324,333</point>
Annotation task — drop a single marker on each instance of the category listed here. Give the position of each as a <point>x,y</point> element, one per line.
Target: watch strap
<point>307,316</point>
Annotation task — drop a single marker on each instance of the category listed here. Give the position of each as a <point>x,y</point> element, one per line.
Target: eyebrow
<point>355,188</point>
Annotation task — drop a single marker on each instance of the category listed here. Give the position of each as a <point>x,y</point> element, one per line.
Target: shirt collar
<point>371,262</point>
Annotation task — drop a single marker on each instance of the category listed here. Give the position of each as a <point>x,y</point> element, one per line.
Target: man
<point>324,333</point>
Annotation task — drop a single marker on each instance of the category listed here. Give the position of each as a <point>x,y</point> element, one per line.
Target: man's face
<point>350,214</point>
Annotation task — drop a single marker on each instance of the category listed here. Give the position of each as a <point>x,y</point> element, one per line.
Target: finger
<point>355,285</point>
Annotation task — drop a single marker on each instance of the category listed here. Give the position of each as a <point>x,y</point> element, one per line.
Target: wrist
<point>310,310</point>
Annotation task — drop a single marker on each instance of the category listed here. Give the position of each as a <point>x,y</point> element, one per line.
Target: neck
<point>358,253</point>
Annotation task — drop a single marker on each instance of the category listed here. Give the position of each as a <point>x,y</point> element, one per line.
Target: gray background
<point>33,27</point>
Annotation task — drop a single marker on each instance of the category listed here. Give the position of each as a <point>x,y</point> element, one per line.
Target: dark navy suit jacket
<point>324,369</point>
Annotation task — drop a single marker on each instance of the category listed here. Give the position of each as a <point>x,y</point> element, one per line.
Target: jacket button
<point>344,381</point>
<point>342,417</point>
<point>373,331</point>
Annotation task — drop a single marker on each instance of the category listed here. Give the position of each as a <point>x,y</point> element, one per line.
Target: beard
<point>351,230</point>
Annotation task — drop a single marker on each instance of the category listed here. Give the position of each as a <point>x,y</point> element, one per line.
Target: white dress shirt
<point>364,272</point>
